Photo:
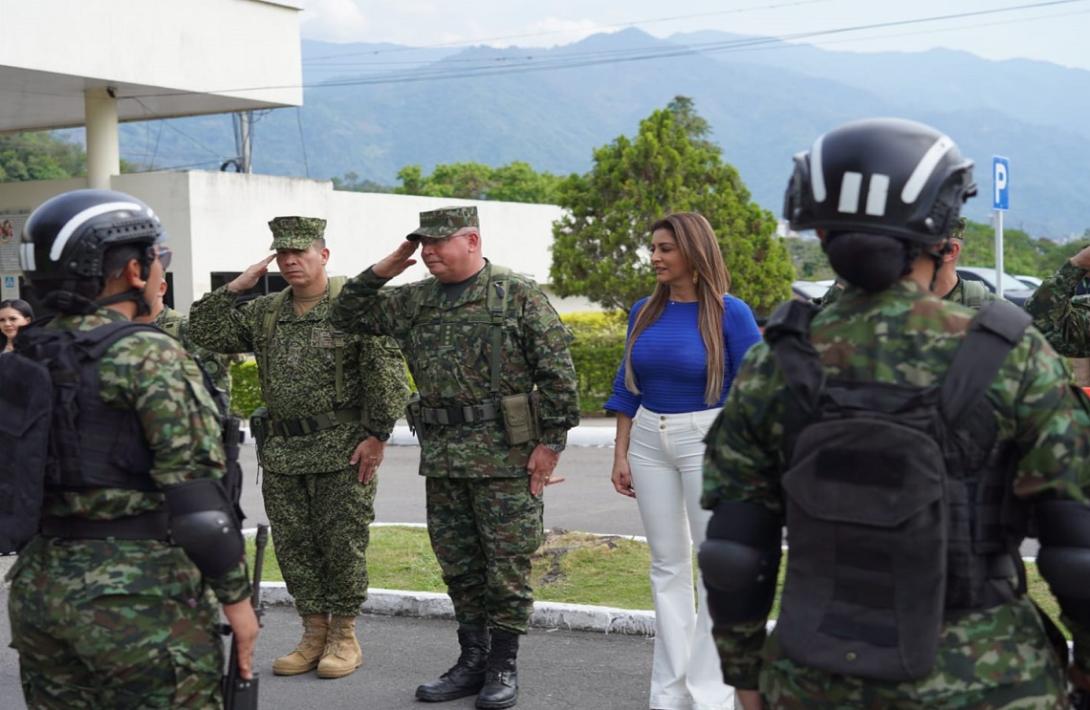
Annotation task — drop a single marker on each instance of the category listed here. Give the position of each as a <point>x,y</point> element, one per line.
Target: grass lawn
<point>570,567</point>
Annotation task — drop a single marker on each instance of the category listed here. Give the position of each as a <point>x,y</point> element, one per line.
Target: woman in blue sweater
<point>685,344</point>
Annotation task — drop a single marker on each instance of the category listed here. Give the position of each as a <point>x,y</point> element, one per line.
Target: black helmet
<point>882,175</point>
<point>66,237</point>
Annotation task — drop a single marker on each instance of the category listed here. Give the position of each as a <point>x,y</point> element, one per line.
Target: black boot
<point>501,680</point>
<point>466,676</point>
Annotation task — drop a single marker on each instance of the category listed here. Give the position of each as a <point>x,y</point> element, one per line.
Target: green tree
<point>516,182</point>
<point>39,156</point>
<point>600,245</point>
<point>351,182</point>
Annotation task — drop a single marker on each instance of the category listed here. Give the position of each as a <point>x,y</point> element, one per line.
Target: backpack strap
<point>97,341</point>
<point>995,331</point>
<point>788,334</point>
<point>268,323</point>
<point>498,292</point>
<point>336,284</point>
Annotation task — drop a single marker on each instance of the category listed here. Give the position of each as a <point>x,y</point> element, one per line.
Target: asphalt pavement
<point>558,670</point>
<point>585,501</point>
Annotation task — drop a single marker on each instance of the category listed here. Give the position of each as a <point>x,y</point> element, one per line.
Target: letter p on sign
<point>1001,170</point>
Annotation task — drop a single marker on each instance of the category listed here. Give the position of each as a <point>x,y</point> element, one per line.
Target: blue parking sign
<point>1001,183</point>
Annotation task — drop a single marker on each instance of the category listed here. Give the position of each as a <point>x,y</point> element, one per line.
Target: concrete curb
<point>547,615</point>
<point>600,436</point>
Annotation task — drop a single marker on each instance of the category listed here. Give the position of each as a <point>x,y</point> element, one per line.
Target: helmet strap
<point>133,294</point>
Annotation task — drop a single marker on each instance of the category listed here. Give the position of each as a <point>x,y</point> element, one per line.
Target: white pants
<point>666,455</point>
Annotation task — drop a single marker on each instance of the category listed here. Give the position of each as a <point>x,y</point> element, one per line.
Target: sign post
<point>1001,200</point>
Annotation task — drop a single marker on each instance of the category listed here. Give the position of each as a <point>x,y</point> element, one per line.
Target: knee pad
<point>203,523</point>
<point>740,561</point>
<point>1064,557</point>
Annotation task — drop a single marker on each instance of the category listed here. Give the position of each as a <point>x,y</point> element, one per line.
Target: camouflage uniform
<point>217,365</point>
<point>998,657</point>
<point>127,623</point>
<point>320,514</point>
<point>1062,318</point>
<point>483,521</point>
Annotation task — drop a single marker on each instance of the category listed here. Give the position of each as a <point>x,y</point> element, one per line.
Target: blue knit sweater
<point>669,358</point>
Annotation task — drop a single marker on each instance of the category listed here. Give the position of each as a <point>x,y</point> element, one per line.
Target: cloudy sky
<point>1057,31</point>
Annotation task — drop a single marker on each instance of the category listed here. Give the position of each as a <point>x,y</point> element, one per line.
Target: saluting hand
<point>249,278</point>
<point>1082,259</point>
<point>396,262</point>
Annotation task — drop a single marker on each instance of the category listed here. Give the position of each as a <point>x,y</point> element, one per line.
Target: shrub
<point>596,352</point>
<point>245,388</point>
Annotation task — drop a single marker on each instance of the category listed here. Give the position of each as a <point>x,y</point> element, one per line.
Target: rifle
<point>239,693</point>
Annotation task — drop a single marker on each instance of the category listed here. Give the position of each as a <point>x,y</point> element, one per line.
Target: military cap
<point>296,232</point>
<point>445,221</point>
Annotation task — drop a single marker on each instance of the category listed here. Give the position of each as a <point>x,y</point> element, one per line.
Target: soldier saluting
<point>497,394</point>
<point>332,400</point>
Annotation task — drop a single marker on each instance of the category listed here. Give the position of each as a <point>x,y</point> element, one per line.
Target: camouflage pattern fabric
<point>321,529</point>
<point>98,623</point>
<point>296,232</point>
<point>448,348</point>
<point>993,658</point>
<point>445,221</point>
<point>1006,663</point>
<point>483,533</point>
<point>302,376</point>
<point>1064,321</point>
<point>971,294</point>
<point>114,624</point>
<point>217,365</point>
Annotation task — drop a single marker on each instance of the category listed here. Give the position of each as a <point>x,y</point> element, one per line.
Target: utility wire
<point>177,130</point>
<point>302,141</point>
<point>574,60</point>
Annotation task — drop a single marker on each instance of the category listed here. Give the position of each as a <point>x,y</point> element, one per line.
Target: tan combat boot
<point>342,651</point>
<point>306,654</point>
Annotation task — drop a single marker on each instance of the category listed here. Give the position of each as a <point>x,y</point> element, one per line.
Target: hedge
<point>596,351</point>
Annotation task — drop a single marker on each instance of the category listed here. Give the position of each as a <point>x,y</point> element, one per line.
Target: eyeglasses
<point>161,252</point>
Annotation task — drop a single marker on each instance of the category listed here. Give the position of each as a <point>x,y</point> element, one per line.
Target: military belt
<point>314,423</point>
<point>152,525</point>
<point>460,414</point>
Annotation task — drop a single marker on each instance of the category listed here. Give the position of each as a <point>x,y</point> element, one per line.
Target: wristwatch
<point>383,437</point>
<point>555,448</point>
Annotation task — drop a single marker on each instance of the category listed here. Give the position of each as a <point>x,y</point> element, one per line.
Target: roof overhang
<point>162,59</point>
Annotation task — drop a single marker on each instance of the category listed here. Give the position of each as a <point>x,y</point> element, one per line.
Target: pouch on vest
<point>877,474</point>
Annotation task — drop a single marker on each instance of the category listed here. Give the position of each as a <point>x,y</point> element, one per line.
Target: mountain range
<point>371,109</point>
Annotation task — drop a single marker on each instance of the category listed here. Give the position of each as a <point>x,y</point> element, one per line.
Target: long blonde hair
<point>697,243</point>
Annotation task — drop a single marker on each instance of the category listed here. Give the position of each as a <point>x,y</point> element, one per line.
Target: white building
<point>98,62</point>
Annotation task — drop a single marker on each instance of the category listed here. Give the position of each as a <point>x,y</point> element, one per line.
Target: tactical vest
<point>898,503</point>
<point>272,314</point>
<point>55,430</point>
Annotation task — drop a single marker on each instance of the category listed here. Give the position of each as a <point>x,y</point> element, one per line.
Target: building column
<point>103,151</point>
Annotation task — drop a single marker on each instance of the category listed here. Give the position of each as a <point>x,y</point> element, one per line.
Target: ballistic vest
<point>898,503</point>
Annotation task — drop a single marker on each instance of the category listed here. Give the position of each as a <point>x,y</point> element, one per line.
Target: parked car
<point>810,290</point>
<point>1030,281</point>
<point>1014,290</point>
